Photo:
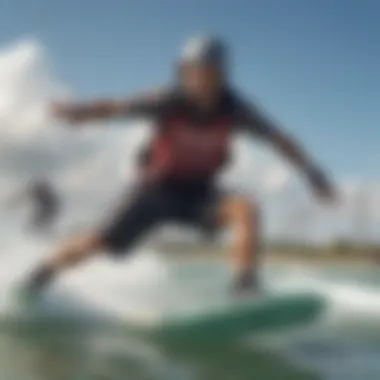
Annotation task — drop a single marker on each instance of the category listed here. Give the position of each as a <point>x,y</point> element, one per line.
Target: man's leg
<point>204,207</point>
<point>68,254</point>
<point>244,217</point>
<point>133,219</point>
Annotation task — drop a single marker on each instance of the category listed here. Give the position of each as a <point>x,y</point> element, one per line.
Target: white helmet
<point>205,49</point>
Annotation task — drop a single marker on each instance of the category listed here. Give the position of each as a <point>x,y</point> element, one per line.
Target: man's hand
<point>321,186</point>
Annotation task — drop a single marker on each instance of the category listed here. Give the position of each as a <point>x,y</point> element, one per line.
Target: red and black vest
<point>191,146</point>
<point>187,150</point>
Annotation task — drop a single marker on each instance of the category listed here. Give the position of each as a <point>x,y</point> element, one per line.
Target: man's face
<point>201,80</point>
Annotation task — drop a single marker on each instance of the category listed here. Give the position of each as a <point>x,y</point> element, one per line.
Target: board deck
<point>236,319</point>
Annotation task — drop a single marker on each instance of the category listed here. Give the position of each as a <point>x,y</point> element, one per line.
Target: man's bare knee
<point>238,209</point>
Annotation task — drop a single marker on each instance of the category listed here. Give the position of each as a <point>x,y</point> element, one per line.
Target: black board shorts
<point>152,205</point>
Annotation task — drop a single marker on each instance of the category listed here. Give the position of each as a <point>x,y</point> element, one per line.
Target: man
<point>194,122</point>
<point>46,204</point>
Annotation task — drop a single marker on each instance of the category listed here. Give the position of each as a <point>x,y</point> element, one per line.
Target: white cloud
<point>278,178</point>
<point>26,85</point>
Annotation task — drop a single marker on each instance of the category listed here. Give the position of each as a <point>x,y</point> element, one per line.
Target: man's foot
<point>247,284</point>
<point>28,292</point>
<point>38,281</point>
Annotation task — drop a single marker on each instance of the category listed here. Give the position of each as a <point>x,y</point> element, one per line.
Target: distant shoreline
<point>320,257</point>
<point>325,258</point>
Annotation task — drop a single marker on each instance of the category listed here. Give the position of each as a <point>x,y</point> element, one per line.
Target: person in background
<point>45,202</point>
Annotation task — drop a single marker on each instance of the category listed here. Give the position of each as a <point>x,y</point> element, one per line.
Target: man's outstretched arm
<point>260,125</point>
<point>145,105</point>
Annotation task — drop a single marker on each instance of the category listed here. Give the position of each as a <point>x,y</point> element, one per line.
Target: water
<point>344,345</point>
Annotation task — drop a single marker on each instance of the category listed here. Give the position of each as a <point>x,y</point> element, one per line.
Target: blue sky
<point>314,64</point>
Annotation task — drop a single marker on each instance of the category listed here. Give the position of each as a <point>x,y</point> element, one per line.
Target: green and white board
<point>222,319</point>
<point>234,319</point>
